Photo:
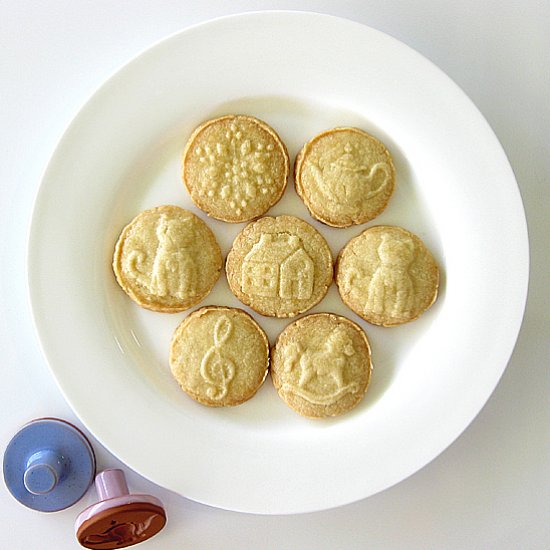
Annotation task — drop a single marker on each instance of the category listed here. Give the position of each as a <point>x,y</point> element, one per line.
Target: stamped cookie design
<point>217,368</point>
<point>321,365</point>
<point>235,168</point>
<point>279,266</point>
<point>387,276</point>
<point>167,259</point>
<point>219,356</point>
<point>344,176</point>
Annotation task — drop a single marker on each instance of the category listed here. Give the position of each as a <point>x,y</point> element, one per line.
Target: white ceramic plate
<point>302,73</point>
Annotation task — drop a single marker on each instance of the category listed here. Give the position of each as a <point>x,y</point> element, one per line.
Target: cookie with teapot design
<point>235,168</point>
<point>219,356</point>
<point>344,176</point>
<point>167,259</point>
<point>321,365</point>
<point>387,276</point>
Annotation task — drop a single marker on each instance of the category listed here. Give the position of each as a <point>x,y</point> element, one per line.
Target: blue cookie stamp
<point>49,465</point>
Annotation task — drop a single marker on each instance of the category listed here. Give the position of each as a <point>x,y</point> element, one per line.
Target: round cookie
<point>167,259</point>
<point>219,356</point>
<point>321,365</point>
<point>387,276</point>
<point>280,267</point>
<point>344,176</point>
<point>235,168</point>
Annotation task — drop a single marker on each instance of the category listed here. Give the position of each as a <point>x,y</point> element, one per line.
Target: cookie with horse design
<point>167,259</point>
<point>321,365</point>
<point>344,176</point>
<point>219,356</point>
<point>387,276</point>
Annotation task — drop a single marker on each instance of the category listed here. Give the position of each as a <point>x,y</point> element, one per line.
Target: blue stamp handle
<point>49,465</point>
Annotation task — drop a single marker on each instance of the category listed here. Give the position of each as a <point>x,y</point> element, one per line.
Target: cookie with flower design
<point>235,168</point>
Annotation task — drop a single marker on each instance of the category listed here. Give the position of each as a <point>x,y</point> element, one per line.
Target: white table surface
<point>491,488</point>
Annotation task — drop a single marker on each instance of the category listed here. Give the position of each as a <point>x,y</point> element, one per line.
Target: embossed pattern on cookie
<point>344,176</point>
<point>217,368</point>
<point>219,356</point>
<point>235,168</point>
<point>387,276</point>
<point>167,259</point>
<point>279,266</point>
<point>321,365</point>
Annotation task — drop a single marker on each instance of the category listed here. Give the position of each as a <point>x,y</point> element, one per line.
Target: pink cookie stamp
<point>119,519</point>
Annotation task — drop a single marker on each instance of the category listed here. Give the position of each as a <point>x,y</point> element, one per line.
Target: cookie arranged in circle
<point>387,276</point>
<point>235,168</point>
<point>344,176</point>
<point>219,356</point>
<point>167,259</point>
<point>321,365</point>
<point>280,267</point>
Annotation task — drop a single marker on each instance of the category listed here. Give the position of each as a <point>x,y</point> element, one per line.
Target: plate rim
<point>74,121</point>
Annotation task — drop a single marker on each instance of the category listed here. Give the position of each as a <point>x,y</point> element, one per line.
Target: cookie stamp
<point>119,519</point>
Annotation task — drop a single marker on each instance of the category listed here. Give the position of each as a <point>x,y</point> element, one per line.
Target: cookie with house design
<point>280,267</point>
<point>167,259</point>
<point>321,365</point>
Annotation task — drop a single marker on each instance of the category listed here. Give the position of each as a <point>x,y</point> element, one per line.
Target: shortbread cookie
<point>344,176</point>
<point>321,365</point>
<point>235,168</point>
<point>279,266</point>
<point>387,276</point>
<point>219,356</point>
<point>167,259</point>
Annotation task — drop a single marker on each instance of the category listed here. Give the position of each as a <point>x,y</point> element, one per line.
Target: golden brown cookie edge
<point>204,310</point>
<point>304,408</point>
<point>136,298</point>
<point>272,133</point>
<point>381,320</point>
<point>301,191</point>
<point>233,279</point>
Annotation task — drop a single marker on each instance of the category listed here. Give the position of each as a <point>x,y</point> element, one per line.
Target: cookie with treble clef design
<point>219,356</point>
<point>235,167</point>
<point>344,176</point>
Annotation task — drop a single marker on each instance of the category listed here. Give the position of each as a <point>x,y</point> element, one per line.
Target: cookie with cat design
<point>387,276</point>
<point>344,176</point>
<point>219,356</point>
<point>321,365</point>
<point>167,259</point>
<point>235,168</point>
